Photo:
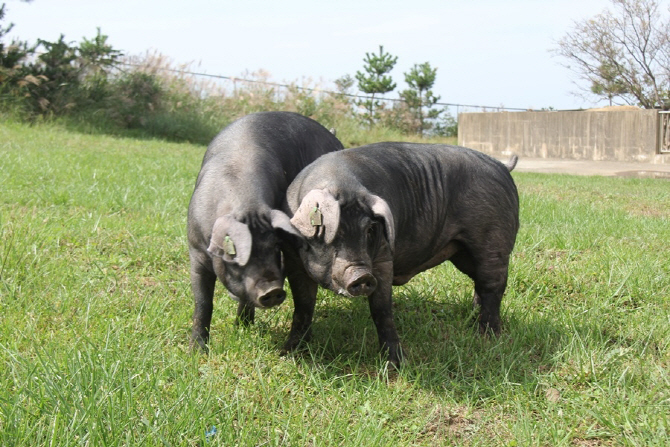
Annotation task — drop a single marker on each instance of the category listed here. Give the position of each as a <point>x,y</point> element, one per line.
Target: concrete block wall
<point>625,135</point>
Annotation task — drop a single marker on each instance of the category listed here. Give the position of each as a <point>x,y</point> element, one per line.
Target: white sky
<point>487,52</point>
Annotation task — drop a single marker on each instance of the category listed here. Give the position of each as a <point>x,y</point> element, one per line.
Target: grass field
<point>95,309</point>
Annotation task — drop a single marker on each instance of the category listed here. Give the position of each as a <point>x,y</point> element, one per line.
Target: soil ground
<point>589,167</point>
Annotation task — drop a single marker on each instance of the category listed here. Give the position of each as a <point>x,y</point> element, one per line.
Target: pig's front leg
<point>203,281</point>
<point>381,309</point>
<point>245,313</point>
<point>303,290</point>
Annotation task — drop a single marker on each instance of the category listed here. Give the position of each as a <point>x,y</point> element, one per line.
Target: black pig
<point>235,227</point>
<point>377,215</point>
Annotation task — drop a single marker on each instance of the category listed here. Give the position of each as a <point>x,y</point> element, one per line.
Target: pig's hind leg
<point>490,284</point>
<point>489,274</point>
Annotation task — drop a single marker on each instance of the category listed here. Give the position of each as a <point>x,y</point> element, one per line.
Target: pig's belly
<point>403,275</point>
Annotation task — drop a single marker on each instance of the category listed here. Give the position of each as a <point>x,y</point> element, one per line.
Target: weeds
<point>91,87</point>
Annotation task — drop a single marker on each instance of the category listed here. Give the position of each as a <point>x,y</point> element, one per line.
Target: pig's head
<point>252,266</point>
<point>345,238</point>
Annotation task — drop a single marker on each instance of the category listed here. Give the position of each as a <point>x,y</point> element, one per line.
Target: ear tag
<point>315,217</point>
<point>229,246</point>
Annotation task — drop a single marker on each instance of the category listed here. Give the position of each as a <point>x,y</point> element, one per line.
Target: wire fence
<point>318,90</point>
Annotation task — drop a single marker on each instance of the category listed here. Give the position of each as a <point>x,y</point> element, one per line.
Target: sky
<point>494,53</point>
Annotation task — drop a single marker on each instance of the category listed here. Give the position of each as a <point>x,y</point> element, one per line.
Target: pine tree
<point>375,79</point>
<point>12,56</point>
<point>421,79</point>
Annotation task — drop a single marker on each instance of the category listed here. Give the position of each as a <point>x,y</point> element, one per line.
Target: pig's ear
<point>281,221</point>
<point>231,240</point>
<point>381,209</point>
<point>318,209</point>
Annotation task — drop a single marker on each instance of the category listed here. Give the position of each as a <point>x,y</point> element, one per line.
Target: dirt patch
<point>644,174</point>
<point>580,442</point>
<point>454,424</point>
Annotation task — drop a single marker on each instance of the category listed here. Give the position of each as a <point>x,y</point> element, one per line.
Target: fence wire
<point>235,79</point>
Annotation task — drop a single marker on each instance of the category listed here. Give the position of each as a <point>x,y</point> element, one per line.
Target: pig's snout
<point>363,284</point>
<point>271,297</point>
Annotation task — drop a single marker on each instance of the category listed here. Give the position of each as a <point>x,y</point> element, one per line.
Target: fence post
<point>663,141</point>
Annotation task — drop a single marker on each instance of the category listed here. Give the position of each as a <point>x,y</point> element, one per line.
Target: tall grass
<point>95,303</point>
<point>187,107</point>
<point>150,96</point>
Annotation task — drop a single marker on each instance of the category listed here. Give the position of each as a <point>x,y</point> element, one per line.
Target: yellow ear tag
<point>229,246</point>
<point>315,217</point>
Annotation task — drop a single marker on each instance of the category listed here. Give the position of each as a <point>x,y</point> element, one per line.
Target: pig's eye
<point>278,254</point>
<point>371,231</point>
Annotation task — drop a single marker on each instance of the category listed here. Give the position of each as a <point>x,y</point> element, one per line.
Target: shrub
<point>94,88</point>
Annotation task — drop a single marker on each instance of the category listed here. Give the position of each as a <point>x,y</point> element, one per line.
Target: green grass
<point>95,309</point>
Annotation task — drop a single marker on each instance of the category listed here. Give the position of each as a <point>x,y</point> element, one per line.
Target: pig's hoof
<point>294,343</point>
<point>286,350</point>
<point>199,346</point>
<point>395,357</point>
<point>245,314</point>
<point>394,365</point>
<point>244,321</point>
<point>489,329</point>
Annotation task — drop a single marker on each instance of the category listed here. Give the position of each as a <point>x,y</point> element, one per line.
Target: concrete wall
<point>629,135</point>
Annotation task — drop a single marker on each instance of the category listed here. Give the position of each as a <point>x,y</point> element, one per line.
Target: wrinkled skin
<point>235,228</point>
<point>392,210</point>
